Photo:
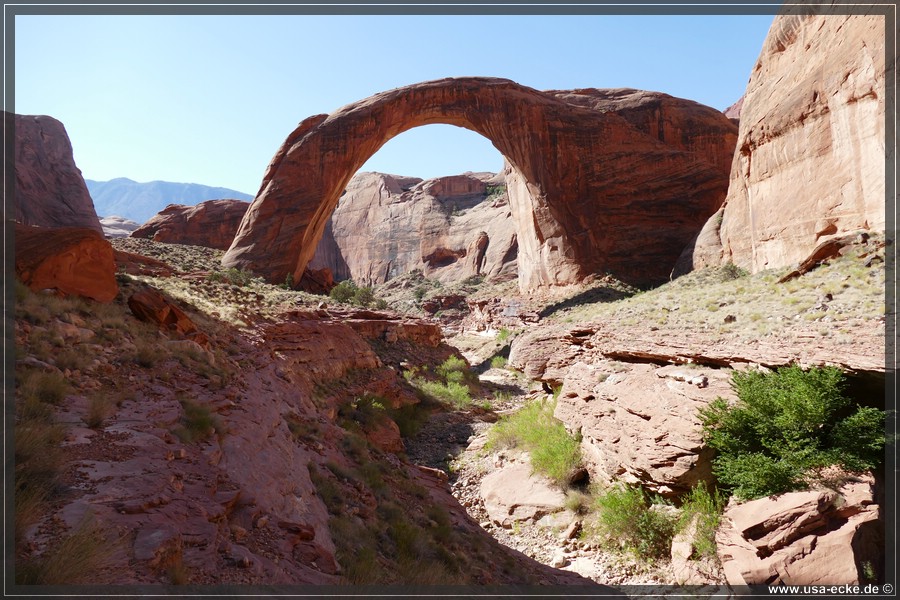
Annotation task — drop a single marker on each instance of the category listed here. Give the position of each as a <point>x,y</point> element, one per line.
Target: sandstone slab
<point>514,493</point>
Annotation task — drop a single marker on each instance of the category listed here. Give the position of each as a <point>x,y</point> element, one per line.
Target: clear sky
<point>209,99</point>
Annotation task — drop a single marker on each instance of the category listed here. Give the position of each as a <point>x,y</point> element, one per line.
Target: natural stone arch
<point>586,185</point>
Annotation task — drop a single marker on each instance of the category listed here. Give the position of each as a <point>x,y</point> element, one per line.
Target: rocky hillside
<point>211,224</point>
<point>138,201</point>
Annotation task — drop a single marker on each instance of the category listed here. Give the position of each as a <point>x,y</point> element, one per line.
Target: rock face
<point>810,157</point>
<point>586,181</point>
<point>70,260</point>
<point>115,226</point>
<point>49,190</point>
<point>817,537</point>
<point>450,228</point>
<point>641,426</point>
<point>211,224</point>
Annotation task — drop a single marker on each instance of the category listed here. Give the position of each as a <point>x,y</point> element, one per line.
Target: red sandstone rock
<point>151,306</point>
<point>136,264</point>
<point>817,537</point>
<point>585,186</point>
<point>71,260</point>
<point>450,228</point>
<point>49,189</point>
<point>211,224</point>
<point>810,158</point>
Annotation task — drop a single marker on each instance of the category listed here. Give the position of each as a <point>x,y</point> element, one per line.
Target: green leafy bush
<point>626,522</point>
<point>553,451</point>
<point>787,425</point>
<point>347,292</point>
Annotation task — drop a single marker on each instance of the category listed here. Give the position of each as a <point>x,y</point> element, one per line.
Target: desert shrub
<point>452,392</point>
<point>785,426</point>
<point>197,423</point>
<point>232,276</point>
<point>626,522</point>
<point>75,559</point>
<point>73,359</point>
<point>49,387</point>
<point>553,451</point>
<point>100,407</point>
<point>498,362</point>
<point>503,335</point>
<point>730,271</point>
<point>364,296</point>
<point>453,364</point>
<point>706,508</point>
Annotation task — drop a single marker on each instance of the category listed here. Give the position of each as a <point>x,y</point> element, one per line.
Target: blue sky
<point>209,99</point>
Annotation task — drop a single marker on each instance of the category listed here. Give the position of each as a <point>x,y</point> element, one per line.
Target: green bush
<point>452,392</point>
<point>347,292</point>
<point>706,508</point>
<point>232,276</point>
<point>787,425</point>
<point>498,362</point>
<point>553,451</point>
<point>626,522</point>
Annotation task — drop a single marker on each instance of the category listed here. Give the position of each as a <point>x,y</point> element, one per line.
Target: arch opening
<point>391,221</point>
<point>598,181</point>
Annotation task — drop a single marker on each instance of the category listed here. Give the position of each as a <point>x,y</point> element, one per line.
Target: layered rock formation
<point>810,159</point>
<point>585,184</point>
<point>211,224</point>
<point>49,189</point>
<point>69,260</point>
<point>815,537</point>
<point>450,228</point>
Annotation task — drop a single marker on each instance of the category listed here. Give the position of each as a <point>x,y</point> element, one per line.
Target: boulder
<point>810,154</point>
<point>574,164</point>
<point>640,425</point>
<point>211,224</point>
<point>150,305</point>
<point>49,189</point>
<point>816,537</point>
<point>71,260</point>
<point>513,493</point>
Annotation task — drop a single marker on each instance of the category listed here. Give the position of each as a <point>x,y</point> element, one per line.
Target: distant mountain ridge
<point>139,202</point>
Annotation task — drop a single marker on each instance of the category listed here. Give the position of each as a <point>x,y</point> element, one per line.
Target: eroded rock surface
<point>49,189</point>
<point>211,224</point>
<point>816,537</point>
<point>515,493</point>
<point>450,228</point>
<point>810,156</point>
<point>574,168</point>
<point>115,226</point>
<point>639,425</point>
<point>70,260</point>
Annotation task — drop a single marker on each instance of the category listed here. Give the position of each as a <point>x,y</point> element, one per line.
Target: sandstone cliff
<point>586,184</point>
<point>450,228</point>
<point>211,224</point>
<point>810,158</point>
<point>49,188</point>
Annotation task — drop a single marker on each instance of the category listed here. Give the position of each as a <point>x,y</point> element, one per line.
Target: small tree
<point>787,425</point>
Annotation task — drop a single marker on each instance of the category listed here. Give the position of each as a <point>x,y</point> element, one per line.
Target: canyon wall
<point>810,161</point>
